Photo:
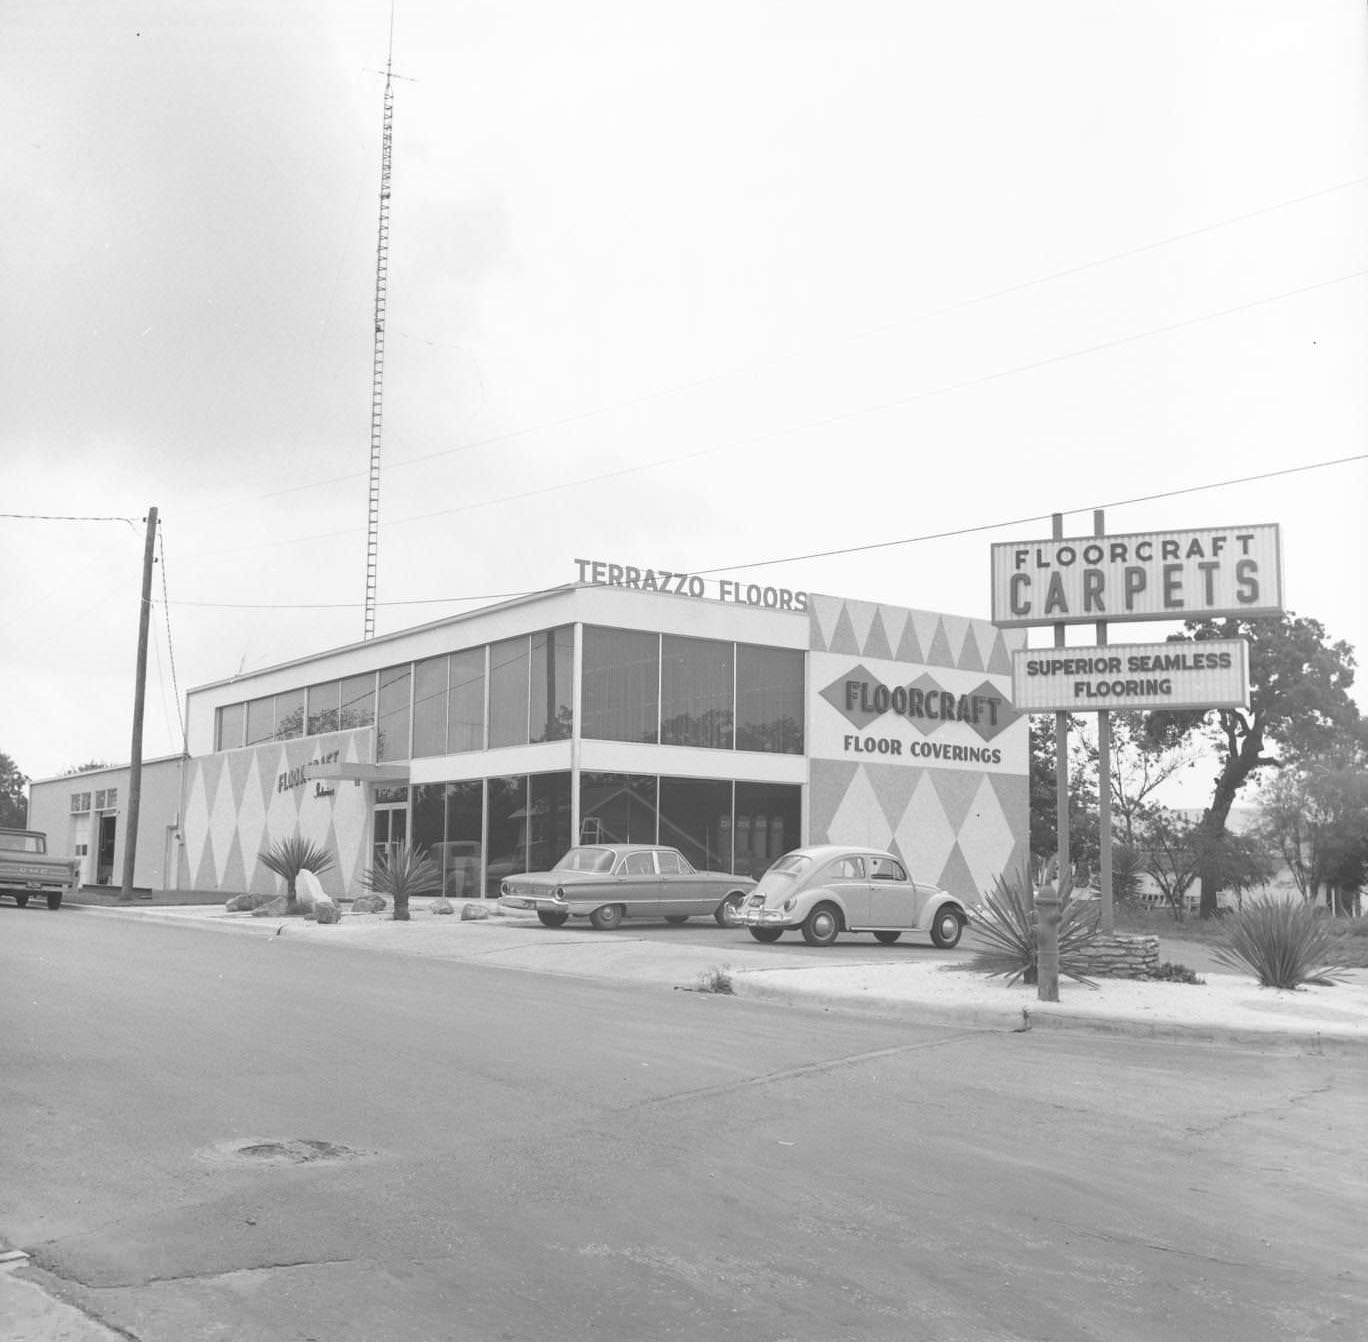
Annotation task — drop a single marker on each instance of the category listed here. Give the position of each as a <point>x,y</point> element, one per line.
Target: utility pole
<point>139,695</point>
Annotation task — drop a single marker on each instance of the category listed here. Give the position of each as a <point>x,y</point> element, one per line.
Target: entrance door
<point>391,829</point>
<point>104,851</point>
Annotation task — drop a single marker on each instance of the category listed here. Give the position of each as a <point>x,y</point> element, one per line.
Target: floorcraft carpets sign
<point>1212,673</point>
<point>1158,575</point>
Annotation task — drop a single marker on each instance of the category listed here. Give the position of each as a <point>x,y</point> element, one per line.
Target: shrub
<point>1175,973</point>
<point>716,979</point>
<point>1282,943</point>
<point>287,858</point>
<point>401,873</point>
<point>1006,919</point>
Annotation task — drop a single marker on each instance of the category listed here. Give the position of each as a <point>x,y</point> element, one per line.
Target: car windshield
<point>784,874</point>
<point>23,843</point>
<point>586,859</point>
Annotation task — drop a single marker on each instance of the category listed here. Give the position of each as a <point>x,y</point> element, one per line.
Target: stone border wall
<point>1120,957</point>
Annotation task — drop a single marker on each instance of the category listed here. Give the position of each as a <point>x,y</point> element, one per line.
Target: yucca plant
<point>1006,919</point>
<point>1282,942</point>
<point>287,858</point>
<point>401,873</point>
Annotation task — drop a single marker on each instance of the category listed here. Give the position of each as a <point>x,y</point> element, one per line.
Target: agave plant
<point>402,872</point>
<point>1282,942</point>
<point>287,858</point>
<point>1006,919</point>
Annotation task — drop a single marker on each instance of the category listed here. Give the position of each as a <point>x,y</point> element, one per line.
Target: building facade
<point>734,730</point>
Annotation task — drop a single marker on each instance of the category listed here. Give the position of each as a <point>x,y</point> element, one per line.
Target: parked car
<point>609,882</point>
<point>827,890</point>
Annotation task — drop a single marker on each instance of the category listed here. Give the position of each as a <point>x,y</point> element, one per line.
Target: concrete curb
<point>785,986</point>
<point>1031,1017</point>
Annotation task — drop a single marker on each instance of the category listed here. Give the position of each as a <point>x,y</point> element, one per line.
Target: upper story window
<point>692,692</point>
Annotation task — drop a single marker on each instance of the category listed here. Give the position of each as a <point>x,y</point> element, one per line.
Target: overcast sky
<point>702,287</point>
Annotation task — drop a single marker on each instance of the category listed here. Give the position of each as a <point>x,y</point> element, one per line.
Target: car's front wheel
<point>607,917</point>
<point>947,928</point>
<point>886,938</point>
<point>822,926</point>
<point>766,934</point>
<point>728,911</point>
<point>551,917</point>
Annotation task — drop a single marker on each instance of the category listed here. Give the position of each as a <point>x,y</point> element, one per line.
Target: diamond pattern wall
<point>239,802</point>
<point>958,827</point>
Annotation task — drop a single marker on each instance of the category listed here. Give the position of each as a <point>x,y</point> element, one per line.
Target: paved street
<point>530,1157</point>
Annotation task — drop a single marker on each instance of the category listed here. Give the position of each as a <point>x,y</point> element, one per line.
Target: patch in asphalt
<point>258,1151</point>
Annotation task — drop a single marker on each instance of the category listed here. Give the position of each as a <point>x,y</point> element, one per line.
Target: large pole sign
<point>1155,575</point>
<point>1213,673</point>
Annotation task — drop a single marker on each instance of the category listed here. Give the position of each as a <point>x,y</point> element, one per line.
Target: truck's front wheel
<point>21,898</point>
<point>55,900</point>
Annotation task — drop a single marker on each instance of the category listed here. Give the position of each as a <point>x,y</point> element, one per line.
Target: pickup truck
<point>26,869</point>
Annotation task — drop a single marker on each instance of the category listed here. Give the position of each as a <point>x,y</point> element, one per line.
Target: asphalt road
<point>538,1158</point>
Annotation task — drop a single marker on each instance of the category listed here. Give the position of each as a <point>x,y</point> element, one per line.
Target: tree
<point>90,766</point>
<point>1140,766</point>
<point>1083,843</point>
<point>13,800</point>
<point>1299,704</point>
<point>1316,816</point>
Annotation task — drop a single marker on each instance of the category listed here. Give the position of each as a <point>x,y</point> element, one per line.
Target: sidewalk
<point>909,980</point>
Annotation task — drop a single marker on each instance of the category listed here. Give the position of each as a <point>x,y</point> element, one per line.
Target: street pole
<point>1104,778</point>
<point>139,694</point>
<point>1047,928</point>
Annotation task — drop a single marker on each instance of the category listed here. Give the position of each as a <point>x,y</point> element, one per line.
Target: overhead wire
<point>823,554</point>
<point>787,356</point>
<point>753,440</point>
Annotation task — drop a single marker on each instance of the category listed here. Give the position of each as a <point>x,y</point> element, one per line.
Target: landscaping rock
<point>309,890</point>
<point>274,908</point>
<point>473,913</point>
<point>325,911</point>
<point>369,904</point>
<point>246,903</point>
<point>441,905</point>
<point>1119,957</point>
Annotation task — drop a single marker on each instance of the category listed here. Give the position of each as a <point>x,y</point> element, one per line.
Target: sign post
<point>1166,575</point>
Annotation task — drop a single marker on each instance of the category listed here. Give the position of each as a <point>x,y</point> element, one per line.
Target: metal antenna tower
<point>378,361</point>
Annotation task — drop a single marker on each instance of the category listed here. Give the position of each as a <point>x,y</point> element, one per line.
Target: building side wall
<point>238,803</point>
<point>155,862</point>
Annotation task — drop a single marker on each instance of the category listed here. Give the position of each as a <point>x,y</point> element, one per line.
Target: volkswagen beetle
<point>609,882</point>
<point>824,891</point>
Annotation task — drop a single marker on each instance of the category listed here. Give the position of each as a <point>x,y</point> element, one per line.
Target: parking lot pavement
<point>916,982</point>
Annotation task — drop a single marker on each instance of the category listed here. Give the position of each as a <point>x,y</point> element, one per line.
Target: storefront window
<point>323,707</point>
<point>507,830</point>
<point>289,715</point>
<point>466,701</point>
<point>429,706</point>
<point>695,693</point>
<point>768,821</point>
<point>392,722</point>
<point>508,692</point>
<point>260,720</point>
<point>548,824</point>
<point>621,685</point>
<point>696,818</point>
<point>769,699</point>
<point>428,806</point>
<point>553,658</point>
<point>617,808</point>
<point>357,708</point>
<point>464,846</point>
<point>228,728</point>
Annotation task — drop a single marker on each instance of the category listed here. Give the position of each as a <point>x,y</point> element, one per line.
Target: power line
<point>804,351</point>
<point>170,646</point>
<point>824,554</point>
<point>842,416</point>
<point>58,517</point>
